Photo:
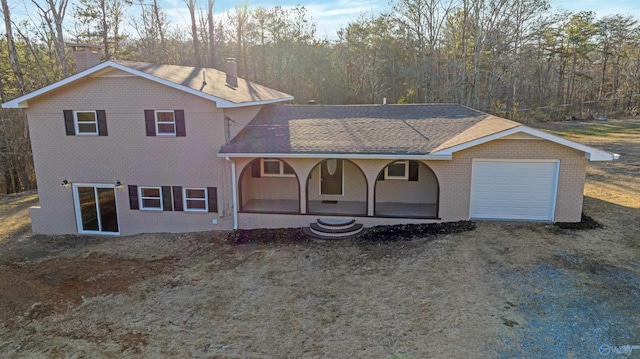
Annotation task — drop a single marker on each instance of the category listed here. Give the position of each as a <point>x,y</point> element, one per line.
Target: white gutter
<point>235,193</point>
<point>337,155</point>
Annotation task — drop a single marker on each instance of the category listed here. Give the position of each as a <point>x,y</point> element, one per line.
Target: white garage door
<point>514,190</point>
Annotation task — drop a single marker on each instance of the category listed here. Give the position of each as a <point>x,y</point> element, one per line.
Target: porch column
<point>370,169</point>
<point>303,195</point>
<point>371,191</point>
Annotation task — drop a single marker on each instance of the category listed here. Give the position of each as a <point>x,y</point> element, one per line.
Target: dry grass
<point>14,214</point>
<point>448,296</point>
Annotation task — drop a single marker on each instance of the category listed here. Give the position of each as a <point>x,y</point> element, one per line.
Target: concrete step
<point>316,231</point>
<point>335,223</point>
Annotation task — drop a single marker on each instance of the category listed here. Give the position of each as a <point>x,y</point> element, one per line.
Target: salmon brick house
<point>129,147</point>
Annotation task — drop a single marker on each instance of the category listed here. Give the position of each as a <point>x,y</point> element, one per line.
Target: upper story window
<point>397,170</point>
<point>275,168</point>
<point>165,123</point>
<point>85,122</point>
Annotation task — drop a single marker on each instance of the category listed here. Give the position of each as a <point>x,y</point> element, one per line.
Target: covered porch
<point>406,189</point>
<point>336,187</point>
<point>269,185</point>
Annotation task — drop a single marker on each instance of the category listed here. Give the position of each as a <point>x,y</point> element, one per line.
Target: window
<point>397,170</point>
<point>86,122</point>
<point>150,198</point>
<point>271,167</point>
<point>165,123</point>
<point>195,199</point>
<point>89,122</point>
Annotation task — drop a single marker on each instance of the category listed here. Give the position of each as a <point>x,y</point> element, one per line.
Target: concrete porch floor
<point>348,208</point>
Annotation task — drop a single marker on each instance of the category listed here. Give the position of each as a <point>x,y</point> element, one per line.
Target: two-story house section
<point>129,147</point>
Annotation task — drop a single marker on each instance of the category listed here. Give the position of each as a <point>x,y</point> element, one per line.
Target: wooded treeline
<point>514,58</point>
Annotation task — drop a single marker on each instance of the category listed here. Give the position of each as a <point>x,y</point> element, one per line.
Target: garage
<point>514,189</point>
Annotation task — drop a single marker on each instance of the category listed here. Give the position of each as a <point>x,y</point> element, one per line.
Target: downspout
<point>235,193</point>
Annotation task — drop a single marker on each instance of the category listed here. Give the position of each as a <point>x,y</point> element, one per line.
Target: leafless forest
<point>514,58</point>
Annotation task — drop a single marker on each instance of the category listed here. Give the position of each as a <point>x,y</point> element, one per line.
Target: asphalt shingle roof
<point>361,129</point>
<point>216,82</point>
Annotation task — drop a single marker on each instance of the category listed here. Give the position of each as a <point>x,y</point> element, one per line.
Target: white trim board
<point>336,155</point>
<point>593,154</point>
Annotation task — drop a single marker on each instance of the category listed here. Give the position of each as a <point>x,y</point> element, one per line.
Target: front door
<point>96,210</point>
<point>331,177</point>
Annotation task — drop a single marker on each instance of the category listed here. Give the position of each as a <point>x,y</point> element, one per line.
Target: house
<point>129,147</point>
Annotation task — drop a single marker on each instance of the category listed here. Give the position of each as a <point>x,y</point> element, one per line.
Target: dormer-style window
<point>165,123</point>
<point>85,122</point>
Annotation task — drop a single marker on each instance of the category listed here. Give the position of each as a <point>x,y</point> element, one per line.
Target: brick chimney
<point>86,55</point>
<point>232,72</point>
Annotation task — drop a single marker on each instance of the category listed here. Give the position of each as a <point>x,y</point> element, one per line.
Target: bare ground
<point>502,290</point>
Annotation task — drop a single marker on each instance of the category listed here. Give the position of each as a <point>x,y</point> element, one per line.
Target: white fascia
<point>337,155</point>
<point>592,154</point>
<point>21,102</point>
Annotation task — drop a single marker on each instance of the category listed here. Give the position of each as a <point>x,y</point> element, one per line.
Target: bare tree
<point>11,48</point>
<point>191,4</point>
<point>53,15</point>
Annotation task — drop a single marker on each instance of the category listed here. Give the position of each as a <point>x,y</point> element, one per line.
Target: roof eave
<point>21,102</point>
<point>229,104</point>
<point>592,154</point>
<point>335,155</point>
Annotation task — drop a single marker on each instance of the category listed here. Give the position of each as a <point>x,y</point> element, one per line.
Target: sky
<point>331,15</point>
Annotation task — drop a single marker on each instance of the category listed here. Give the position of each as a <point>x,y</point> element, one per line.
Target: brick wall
<point>454,178</point>
<point>127,154</point>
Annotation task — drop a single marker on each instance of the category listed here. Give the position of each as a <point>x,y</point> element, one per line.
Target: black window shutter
<point>133,197</point>
<point>68,122</point>
<point>177,198</point>
<point>102,122</point>
<point>150,122</point>
<point>212,197</point>
<point>255,169</point>
<point>181,131</point>
<point>166,198</point>
<point>381,176</point>
<point>413,170</point>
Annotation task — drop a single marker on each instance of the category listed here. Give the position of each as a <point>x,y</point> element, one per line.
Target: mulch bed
<point>586,222</point>
<point>400,232</point>
<point>407,232</point>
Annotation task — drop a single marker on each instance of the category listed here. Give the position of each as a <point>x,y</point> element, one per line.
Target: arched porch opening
<point>407,189</point>
<point>337,187</point>
<point>269,185</point>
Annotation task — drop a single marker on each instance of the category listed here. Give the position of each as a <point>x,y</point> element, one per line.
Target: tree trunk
<point>11,48</point>
<point>105,29</point>
<point>191,4</point>
<point>212,39</point>
<point>58,18</point>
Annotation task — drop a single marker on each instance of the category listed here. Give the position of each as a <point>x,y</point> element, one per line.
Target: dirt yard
<point>501,290</point>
